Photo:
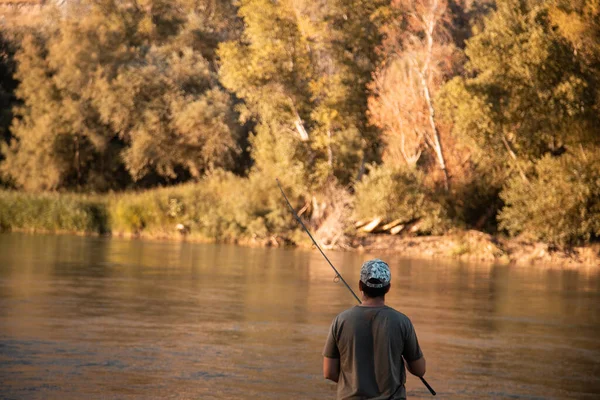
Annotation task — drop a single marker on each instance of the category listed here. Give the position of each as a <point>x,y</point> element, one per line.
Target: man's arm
<point>331,368</point>
<point>416,367</point>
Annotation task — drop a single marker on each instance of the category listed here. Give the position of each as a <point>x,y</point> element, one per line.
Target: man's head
<point>375,278</point>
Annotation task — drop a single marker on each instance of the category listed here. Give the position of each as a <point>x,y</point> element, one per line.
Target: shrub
<point>157,211</point>
<point>221,206</point>
<point>52,212</point>
<point>474,198</point>
<point>560,204</point>
<point>393,194</point>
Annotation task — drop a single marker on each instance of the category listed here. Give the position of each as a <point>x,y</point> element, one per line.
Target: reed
<point>220,207</point>
<point>53,212</point>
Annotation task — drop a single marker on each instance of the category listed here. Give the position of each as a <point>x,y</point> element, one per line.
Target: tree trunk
<point>361,169</point>
<point>514,157</point>
<point>437,144</point>
<point>430,25</point>
<point>300,126</point>
<point>77,161</point>
<point>329,150</point>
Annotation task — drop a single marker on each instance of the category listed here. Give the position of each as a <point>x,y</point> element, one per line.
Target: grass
<point>52,212</point>
<point>221,207</point>
<point>460,249</point>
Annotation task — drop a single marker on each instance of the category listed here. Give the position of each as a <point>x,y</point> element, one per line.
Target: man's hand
<point>331,368</point>
<point>416,367</point>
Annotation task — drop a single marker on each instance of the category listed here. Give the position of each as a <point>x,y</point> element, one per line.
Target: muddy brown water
<point>100,318</point>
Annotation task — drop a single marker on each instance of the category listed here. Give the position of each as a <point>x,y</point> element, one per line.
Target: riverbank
<point>196,213</point>
<point>474,246</point>
<point>466,246</point>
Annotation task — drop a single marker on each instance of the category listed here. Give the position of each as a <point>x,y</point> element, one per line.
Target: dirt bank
<point>481,247</point>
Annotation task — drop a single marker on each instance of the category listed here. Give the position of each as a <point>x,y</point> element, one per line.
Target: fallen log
<point>361,223</point>
<point>371,226</point>
<point>397,229</point>
<point>392,224</point>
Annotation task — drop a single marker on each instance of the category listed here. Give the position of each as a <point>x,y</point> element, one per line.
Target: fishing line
<point>337,277</point>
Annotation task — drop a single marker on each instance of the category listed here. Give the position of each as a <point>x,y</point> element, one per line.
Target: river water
<point>100,318</point>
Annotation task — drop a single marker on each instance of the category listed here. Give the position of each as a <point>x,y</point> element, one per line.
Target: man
<point>368,344</point>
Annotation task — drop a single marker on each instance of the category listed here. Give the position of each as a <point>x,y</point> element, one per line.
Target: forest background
<point>415,117</point>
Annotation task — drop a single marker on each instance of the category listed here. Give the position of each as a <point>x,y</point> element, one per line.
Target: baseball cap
<point>375,269</point>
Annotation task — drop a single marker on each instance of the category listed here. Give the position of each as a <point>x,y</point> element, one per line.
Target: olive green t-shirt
<point>370,343</point>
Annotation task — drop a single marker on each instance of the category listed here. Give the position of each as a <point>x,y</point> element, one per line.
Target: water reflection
<point>110,318</point>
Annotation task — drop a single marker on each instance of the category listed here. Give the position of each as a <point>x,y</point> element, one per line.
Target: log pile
<point>378,225</point>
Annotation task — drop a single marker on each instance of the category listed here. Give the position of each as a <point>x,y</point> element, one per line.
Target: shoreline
<point>475,246</point>
<point>463,246</point>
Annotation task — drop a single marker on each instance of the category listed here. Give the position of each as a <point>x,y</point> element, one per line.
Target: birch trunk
<point>514,157</point>
<point>437,144</point>
<point>300,126</point>
<point>430,25</point>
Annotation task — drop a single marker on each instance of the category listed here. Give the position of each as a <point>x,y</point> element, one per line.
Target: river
<point>101,318</point>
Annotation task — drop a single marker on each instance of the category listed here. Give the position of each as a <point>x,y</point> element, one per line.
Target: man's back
<point>370,343</point>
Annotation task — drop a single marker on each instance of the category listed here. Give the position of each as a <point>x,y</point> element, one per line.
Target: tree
<point>420,58</point>
<point>301,69</point>
<point>120,88</point>
<point>396,108</point>
<point>44,153</point>
<point>171,113</point>
<point>526,92</point>
<point>578,22</point>
<point>8,84</point>
<point>268,69</point>
<point>560,204</point>
<point>350,36</point>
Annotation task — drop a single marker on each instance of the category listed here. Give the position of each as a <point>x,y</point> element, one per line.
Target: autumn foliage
<point>455,113</point>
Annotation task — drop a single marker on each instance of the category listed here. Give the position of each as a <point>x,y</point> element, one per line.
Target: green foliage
<point>7,84</point>
<point>529,93</point>
<point>579,23</point>
<point>301,69</point>
<point>474,198</point>
<point>7,91</point>
<point>400,194</point>
<point>128,95</point>
<point>529,90</point>
<point>221,206</point>
<point>172,114</point>
<point>45,153</point>
<point>52,212</point>
<point>561,202</point>
<point>108,87</point>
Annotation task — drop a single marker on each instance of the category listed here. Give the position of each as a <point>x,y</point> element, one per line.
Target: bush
<point>52,212</point>
<point>474,198</point>
<point>400,194</point>
<point>561,203</point>
<point>221,206</point>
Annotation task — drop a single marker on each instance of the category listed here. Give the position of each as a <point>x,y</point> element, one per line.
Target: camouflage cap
<point>375,269</point>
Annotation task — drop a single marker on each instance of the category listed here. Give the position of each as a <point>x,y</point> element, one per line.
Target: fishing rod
<point>337,274</point>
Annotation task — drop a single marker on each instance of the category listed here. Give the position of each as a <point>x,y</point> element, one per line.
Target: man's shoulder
<point>386,310</point>
<point>397,315</point>
<point>350,314</point>
<point>392,311</point>
<point>347,313</point>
